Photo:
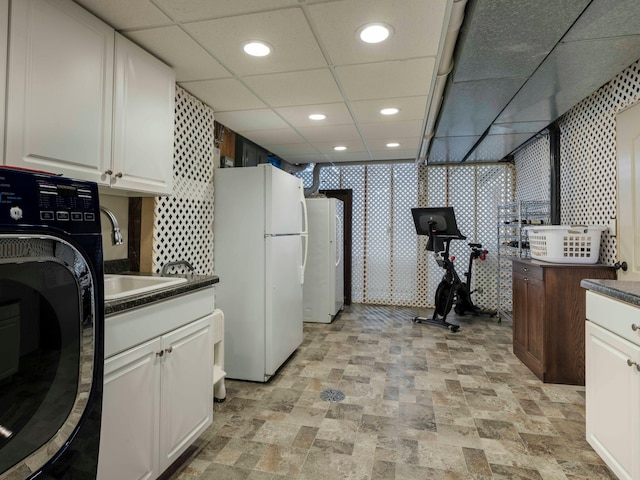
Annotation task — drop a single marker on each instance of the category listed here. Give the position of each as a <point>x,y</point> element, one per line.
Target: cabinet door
<point>187,387</point>
<point>60,83</point>
<point>143,121</point>
<point>612,399</point>
<point>4,38</point>
<point>528,322</point>
<point>535,318</point>
<point>130,412</point>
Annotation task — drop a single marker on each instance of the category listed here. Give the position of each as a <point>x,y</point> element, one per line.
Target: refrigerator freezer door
<point>284,203</point>
<point>283,308</point>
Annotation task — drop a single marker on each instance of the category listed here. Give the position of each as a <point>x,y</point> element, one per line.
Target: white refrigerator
<point>260,249</point>
<point>323,291</point>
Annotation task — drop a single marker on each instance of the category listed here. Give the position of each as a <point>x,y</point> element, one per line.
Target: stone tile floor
<point>420,403</point>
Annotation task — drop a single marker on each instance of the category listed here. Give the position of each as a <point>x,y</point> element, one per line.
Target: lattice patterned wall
<point>390,263</point>
<point>184,221</point>
<point>588,156</point>
<point>533,171</point>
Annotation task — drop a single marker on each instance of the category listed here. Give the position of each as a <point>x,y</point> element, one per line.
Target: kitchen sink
<point>120,286</point>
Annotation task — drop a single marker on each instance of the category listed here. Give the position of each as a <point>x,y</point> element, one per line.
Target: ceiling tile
<point>368,111</point>
<point>187,10</point>
<point>408,78</point>
<point>494,148</point>
<point>517,127</point>
<point>296,88</point>
<point>223,95</point>
<point>306,159</point>
<point>284,149</point>
<point>126,13</point>
<point>352,147</point>
<point>406,143</point>
<point>337,114</point>
<point>470,107</point>
<point>510,38</point>
<point>177,49</point>
<point>273,136</point>
<point>416,23</point>
<point>565,76</point>
<point>247,120</point>
<point>396,129</point>
<point>605,18</point>
<point>287,31</point>
<point>335,132</point>
<point>450,149</point>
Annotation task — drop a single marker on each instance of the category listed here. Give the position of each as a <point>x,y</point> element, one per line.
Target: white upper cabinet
<point>60,85</point>
<point>143,121</point>
<point>84,101</point>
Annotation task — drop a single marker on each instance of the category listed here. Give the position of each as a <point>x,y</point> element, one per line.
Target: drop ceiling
<point>518,67</point>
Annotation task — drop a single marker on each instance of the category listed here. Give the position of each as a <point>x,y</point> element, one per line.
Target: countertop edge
<point>194,282</point>
<point>625,291</point>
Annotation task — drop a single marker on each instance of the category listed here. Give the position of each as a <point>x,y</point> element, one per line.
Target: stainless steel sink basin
<point>120,286</point>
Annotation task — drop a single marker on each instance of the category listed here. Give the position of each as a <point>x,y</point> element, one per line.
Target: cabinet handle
<point>169,350</point>
<point>526,279</point>
<point>631,363</point>
<point>635,327</point>
<point>160,353</point>
<point>525,269</point>
<point>109,172</point>
<point>119,175</point>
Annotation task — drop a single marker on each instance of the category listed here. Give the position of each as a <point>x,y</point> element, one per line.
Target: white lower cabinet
<point>157,401</point>
<point>613,386</point>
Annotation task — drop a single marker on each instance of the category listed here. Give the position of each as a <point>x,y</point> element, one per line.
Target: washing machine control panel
<point>35,198</point>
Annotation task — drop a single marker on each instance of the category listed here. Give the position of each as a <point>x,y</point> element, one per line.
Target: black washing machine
<point>51,326</point>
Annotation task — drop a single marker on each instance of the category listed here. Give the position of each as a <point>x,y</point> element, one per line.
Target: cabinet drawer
<point>618,317</point>
<point>527,270</point>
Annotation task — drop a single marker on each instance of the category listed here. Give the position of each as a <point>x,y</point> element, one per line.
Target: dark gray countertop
<point>625,291</point>
<point>194,282</point>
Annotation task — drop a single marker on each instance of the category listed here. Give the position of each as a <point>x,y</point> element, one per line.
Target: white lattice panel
<point>533,170</point>
<point>403,235</point>
<point>390,263</point>
<point>588,157</point>
<point>184,221</point>
<point>494,186</point>
<point>353,177</point>
<point>380,218</point>
<point>437,196</point>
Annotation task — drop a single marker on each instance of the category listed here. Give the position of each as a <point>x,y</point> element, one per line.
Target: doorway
<point>346,195</point>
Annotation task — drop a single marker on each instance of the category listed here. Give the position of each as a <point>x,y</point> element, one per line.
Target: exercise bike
<point>439,224</point>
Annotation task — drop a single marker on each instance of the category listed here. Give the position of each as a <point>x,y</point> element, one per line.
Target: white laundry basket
<point>565,243</point>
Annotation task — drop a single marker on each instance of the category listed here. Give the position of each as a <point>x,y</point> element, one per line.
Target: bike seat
<point>475,245</point>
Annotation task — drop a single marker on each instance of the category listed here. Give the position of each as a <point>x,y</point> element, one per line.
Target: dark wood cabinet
<point>549,315</point>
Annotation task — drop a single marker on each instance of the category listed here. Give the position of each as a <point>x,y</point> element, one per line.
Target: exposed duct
<point>444,69</point>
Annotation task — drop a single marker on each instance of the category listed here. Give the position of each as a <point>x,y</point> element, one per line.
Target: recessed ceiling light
<point>317,116</point>
<point>393,144</point>
<point>256,49</point>
<point>389,111</point>
<point>374,32</point>
<point>339,148</point>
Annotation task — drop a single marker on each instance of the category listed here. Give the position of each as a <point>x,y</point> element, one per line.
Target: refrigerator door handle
<point>338,246</point>
<point>303,204</point>
<point>304,238</point>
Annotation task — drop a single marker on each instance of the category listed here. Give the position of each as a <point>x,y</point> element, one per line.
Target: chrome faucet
<point>117,236</point>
